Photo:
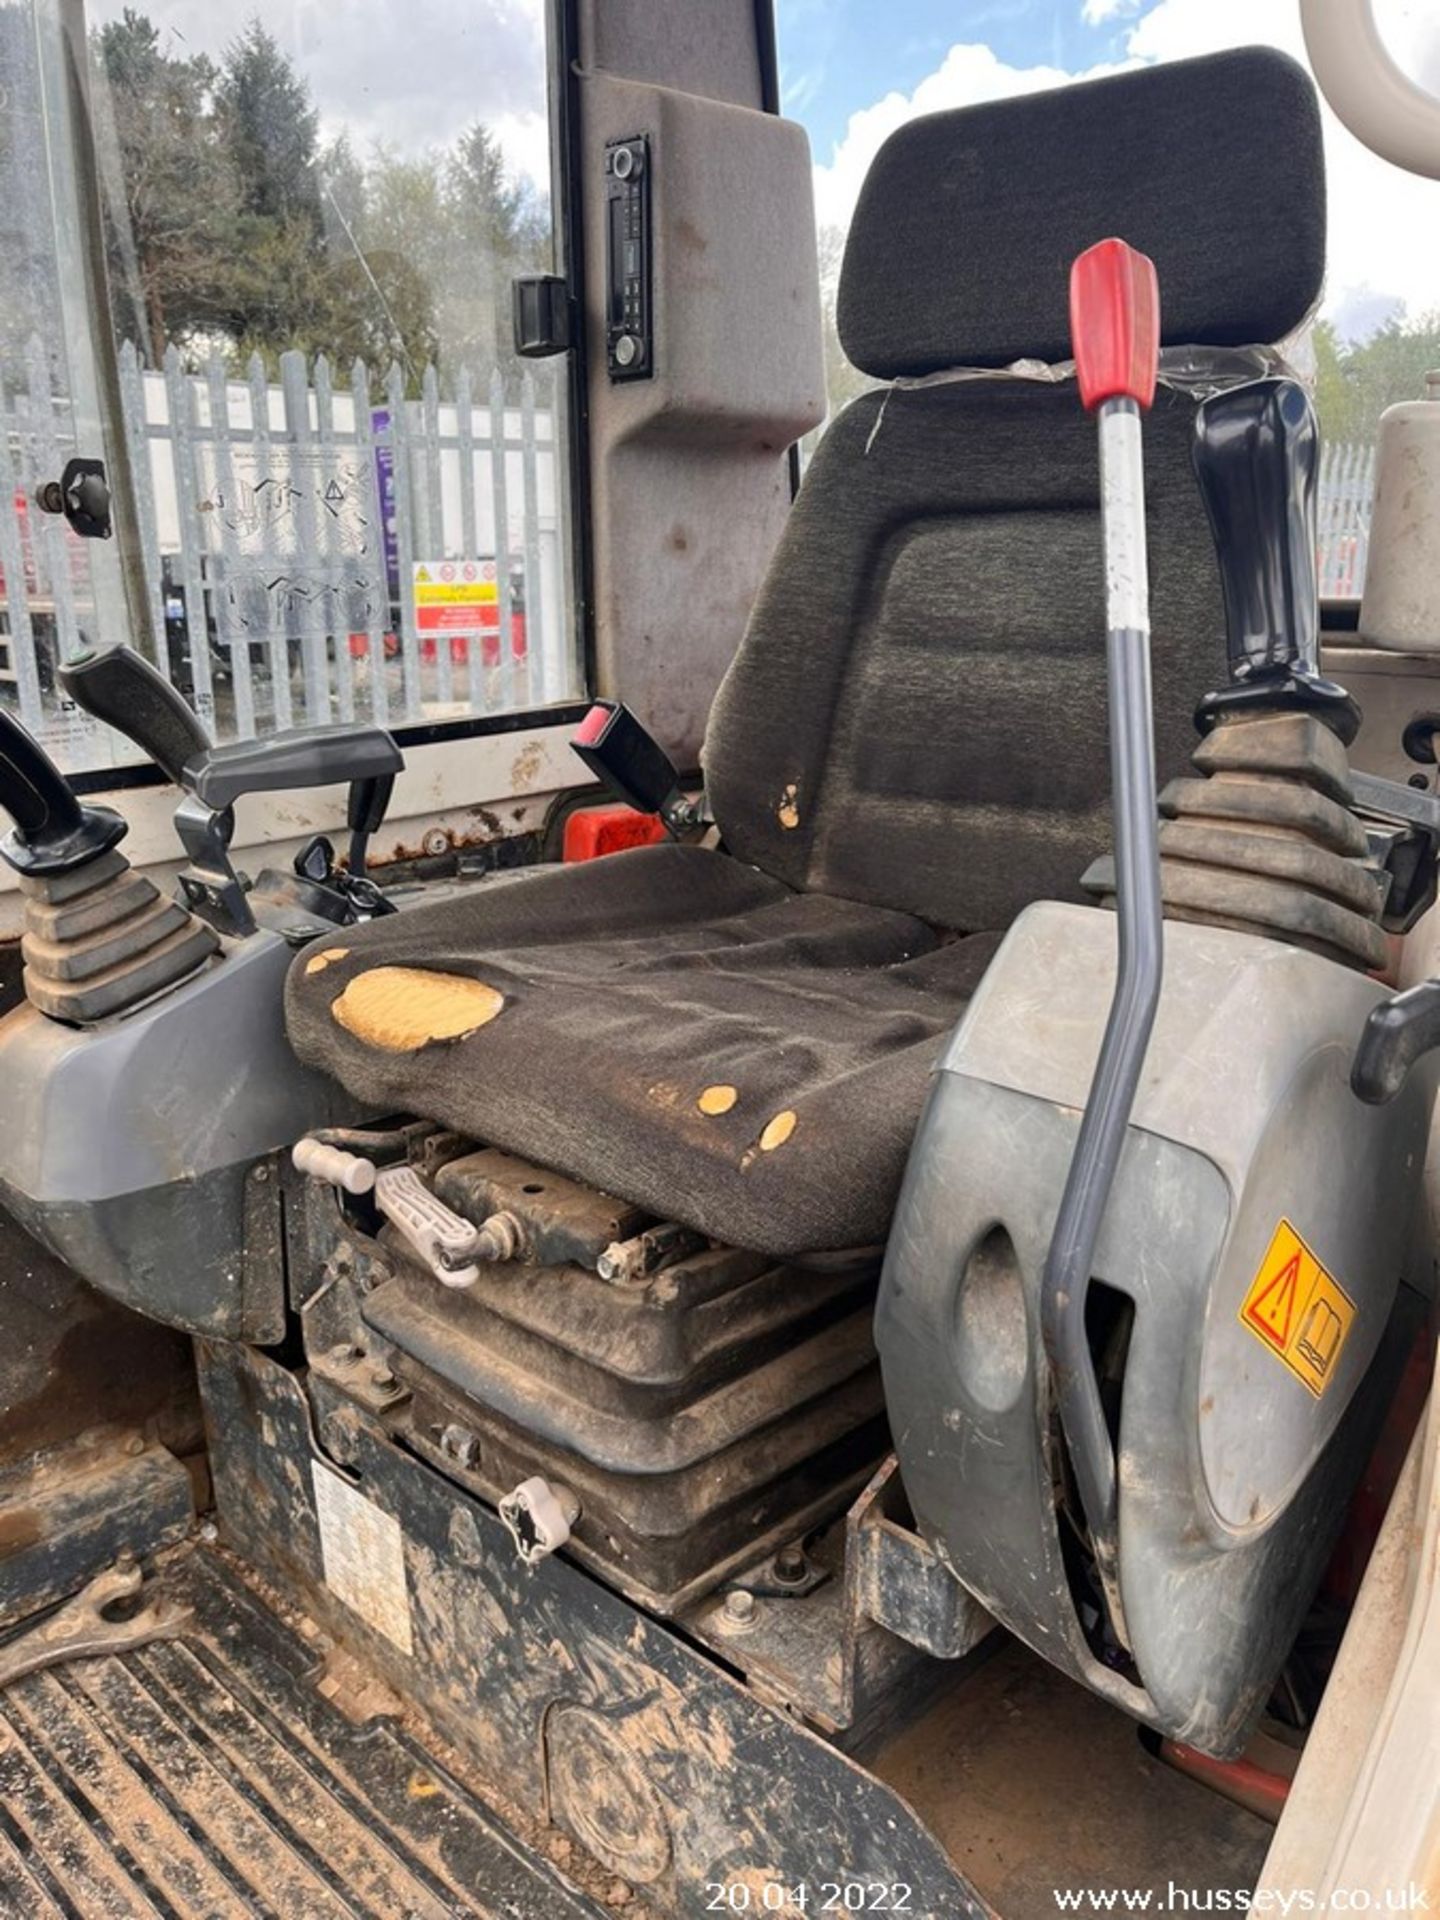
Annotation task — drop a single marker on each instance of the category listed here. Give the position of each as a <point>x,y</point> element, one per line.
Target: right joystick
<point>1262,836</point>
<point>1256,454</point>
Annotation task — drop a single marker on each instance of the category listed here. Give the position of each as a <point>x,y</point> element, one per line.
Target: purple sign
<point>385,491</point>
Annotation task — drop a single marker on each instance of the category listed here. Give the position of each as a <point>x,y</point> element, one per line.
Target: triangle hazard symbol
<point>1273,1308</point>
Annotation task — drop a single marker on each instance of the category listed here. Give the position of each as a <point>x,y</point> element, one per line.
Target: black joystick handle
<point>53,832</point>
<point>120,687</point>
<point>364,812</point>
<point>1257,454</point>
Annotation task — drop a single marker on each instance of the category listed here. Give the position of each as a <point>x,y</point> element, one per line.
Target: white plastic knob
<point>348,1171</point>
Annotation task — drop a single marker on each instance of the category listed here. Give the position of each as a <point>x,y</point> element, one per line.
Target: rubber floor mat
<point>207,1777</point>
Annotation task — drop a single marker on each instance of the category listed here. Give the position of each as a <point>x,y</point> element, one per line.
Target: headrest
<point>960,249</point>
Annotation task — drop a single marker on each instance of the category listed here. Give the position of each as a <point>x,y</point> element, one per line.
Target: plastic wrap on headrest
<point>961,244</point>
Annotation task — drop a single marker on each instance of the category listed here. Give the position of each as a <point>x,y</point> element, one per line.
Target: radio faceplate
<point>629,331</point>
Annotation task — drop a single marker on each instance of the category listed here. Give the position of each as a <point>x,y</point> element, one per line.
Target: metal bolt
<point>260,1176</point>
<point>135,1445</point>
<point>740,1607</point>
<point>383,1378</point>
<point>460,1445</point>
<point>344,1351</point>
<point>791,1566</point>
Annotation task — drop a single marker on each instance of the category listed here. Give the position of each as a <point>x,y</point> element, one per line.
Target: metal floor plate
<point>207,1777</point>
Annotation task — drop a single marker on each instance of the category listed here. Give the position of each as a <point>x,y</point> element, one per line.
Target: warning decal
<point>363,1554</point>
<point>1298,1310</point>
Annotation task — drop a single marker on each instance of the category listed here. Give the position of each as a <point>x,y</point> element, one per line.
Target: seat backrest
<point>916,716</point>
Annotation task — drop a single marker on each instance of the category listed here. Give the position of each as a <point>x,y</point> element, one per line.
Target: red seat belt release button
<point>1115,324</point>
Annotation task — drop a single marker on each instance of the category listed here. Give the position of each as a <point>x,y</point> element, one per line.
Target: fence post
<point>377,606</point>
<point>179,399</point>
<point>136,424</point>
<point>332,550</point>
<point>48,533</point>
<point>404,538</point>
<point>20,642</point>
<point>469,532</point>
<point>230,631</point>
<point>500,510</point>
<point>295,394</point>
<point>538,669</point>
<point>431,515</point>
<point>277,643</point>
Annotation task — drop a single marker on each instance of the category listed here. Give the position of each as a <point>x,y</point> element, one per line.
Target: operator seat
<point>910,744</point>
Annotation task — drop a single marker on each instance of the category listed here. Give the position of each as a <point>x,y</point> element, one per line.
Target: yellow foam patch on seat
<point>401,1008</point>
<point>778,1131</point>
<point>717,1100</point>
<point>318,962</point>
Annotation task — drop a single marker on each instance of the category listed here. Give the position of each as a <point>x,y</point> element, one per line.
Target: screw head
<point>740,1607</point>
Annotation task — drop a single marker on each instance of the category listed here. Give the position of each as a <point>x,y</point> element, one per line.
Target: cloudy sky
<point>413,73</point>
<point>417,73</point>
<point>853,72</point>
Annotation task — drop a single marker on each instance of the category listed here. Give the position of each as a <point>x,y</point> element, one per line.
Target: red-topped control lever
<point>1115,323</point>
<point>1115,326</point>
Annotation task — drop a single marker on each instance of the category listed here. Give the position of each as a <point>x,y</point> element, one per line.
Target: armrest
<point>300,757</point>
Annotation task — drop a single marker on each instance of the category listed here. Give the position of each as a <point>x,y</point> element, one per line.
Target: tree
<point>1358,381</point>
<point>173,208</point>
<point>272,130</point>
<point>499,228</point>
<point>231,222</point>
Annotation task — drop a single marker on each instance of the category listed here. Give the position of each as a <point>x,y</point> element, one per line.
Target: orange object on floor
<point>592,832</point>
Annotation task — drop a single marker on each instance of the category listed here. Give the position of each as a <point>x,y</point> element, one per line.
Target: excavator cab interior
<point>716,1173</point>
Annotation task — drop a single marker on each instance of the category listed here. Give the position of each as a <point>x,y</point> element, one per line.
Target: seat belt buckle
<point>626,757</point>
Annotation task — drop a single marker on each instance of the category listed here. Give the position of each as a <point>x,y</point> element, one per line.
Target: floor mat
<point>209,1777</point>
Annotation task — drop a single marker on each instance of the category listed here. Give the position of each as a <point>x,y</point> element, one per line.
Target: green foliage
<point>271,129</point>
<point>170,259</point>
<point>232,226</point>
<point>1357,383</point>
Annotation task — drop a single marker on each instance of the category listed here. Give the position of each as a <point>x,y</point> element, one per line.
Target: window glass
<point>348,494</point>
<point>1377,330</point>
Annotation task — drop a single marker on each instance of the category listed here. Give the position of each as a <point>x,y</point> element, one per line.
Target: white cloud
<point>968,74</point>
<point>1096,12</point>
<point>1382,221</point>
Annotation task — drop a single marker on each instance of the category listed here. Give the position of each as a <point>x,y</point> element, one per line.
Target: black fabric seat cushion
<point>631,985</point>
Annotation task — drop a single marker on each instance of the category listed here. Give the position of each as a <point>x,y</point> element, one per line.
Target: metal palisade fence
<point>317,549</point>
<point>313,548</point>
<point>1347,493</point>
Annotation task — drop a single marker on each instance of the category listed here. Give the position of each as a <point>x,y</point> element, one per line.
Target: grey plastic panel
<point>125,1148</point>
<point>1233,1477</point>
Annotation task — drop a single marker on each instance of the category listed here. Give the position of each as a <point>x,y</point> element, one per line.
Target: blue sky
<point>837,55</point>
<point>853,70</point>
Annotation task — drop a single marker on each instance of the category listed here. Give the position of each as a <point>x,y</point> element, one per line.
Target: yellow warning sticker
<point>1298,1310</point>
